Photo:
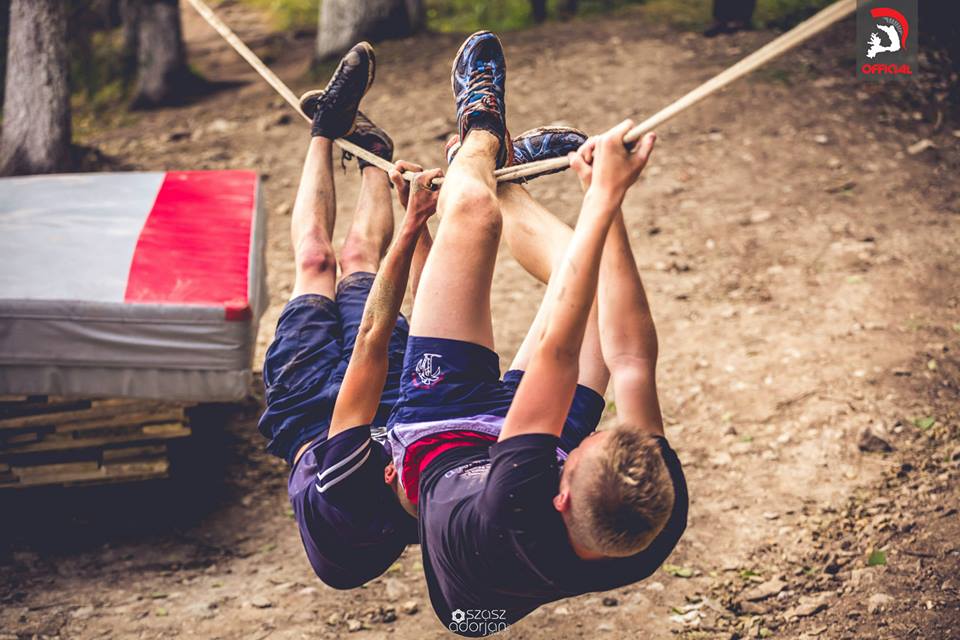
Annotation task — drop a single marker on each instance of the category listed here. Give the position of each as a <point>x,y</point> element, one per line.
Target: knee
<point>474,206</point>
<point>316,257</point>
<point>358,254</point>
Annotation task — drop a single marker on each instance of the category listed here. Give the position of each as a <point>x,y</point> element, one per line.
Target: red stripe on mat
<point>195,245</point>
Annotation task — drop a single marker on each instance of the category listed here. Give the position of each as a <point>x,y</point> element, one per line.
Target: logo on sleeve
<point>427,373</point>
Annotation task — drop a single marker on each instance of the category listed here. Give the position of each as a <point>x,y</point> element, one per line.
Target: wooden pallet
<point>48,440</point>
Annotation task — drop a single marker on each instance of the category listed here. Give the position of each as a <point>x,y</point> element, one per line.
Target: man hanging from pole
<point>332,373</point>
<point>342,485</point>
<point>503,528</point>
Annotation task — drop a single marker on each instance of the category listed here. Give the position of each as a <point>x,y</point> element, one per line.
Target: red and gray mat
<point>144,285</point>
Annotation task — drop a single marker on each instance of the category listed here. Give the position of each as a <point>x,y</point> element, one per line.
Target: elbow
<point>560,354</point>
<point>637,372</point>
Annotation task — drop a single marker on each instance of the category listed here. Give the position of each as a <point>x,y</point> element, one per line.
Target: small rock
<point>809,605</point>
<point>760,216</point>
<point>273,120</point>
<point>770,515</point>
<point>82,612</point>
<point>752,609</point>
<point>260,602</point>
<point>869,442</point>
<point>333,619</point>
<point>920,146</point>
<point>283,209</point>
<point>221,125</point>
<point>610,602</point>
<point>878,602</point>
<point>561,611</point>
<point>388,616</point>
<point>354,625</point>
<point>655,586</point>
<point>176,135</point>
<point>721,459</point>
<point>765,590</point>
<point>604,626</point>
<point>410,607</point>
<point>821,139</point>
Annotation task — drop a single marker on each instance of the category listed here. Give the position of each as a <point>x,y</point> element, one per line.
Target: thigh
<point>593,372</point>
<point>352,294</point>
<point>453,297</point>
<point>446,379</point>
<point>298,374</point>
<point>582,419</point>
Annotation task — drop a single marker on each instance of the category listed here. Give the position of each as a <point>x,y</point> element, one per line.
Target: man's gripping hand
<point>422,199</point>
<point>402,186</point>
<point>605,166</point>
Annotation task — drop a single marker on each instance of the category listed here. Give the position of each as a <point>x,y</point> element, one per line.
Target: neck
<point>583,553</point>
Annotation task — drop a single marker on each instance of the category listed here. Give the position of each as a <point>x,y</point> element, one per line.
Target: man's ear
<point>561,501</point>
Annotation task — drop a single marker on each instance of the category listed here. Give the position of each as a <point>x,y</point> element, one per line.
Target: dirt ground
<point>803,268</point>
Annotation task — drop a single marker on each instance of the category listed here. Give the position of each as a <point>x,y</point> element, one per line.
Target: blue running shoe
<point>333,109</point>
<point>479,76</point>
<point>542,143</point>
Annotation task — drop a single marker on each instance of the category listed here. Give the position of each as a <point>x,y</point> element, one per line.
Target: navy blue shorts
<point>445,379</point>
<point>308,358</point>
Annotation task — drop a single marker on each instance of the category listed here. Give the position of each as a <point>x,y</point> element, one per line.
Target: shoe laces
<point>482,82</point>
<point>333,88</point>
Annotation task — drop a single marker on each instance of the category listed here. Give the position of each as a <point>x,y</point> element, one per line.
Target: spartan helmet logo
<point>427,372</point>
<point>891,23</point>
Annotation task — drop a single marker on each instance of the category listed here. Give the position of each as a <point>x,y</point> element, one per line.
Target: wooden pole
<point>799,34</point>
<point>278,85</point>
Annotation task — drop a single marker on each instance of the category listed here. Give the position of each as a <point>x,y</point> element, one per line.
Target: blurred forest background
<point>64,59</point>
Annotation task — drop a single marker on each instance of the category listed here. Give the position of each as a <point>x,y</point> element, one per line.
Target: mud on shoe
<point>479,77</point>
<point>369,136</point>
<point>334,108</point>
<point>542,143</point>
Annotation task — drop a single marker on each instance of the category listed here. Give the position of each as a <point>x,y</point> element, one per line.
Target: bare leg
<point>629,338</point>
<point>538,240</point>
<point>372,227</point>
<point>453,298</point>
<point>311,225</point>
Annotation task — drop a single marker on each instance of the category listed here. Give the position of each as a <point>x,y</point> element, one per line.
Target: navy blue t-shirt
<point>494,547</point>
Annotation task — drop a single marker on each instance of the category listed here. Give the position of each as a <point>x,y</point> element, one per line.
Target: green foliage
<point>677,571</point>
<point>692,15</point>
<point>96,69</point>
<point>469,15</point>
<point>784,14</point>
<point>877,558</point>
<point>290,14</point>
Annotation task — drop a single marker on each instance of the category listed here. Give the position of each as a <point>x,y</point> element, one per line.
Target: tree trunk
<point>569,8</point>
<point>36,107</point>
<point>539,10</point>
<point>4,32</point>
<point>130,24</point>
<point>161,55</point>
<point>343,23</point>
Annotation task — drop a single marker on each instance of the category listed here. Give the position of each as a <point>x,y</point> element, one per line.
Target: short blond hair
<point>621,494</point>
